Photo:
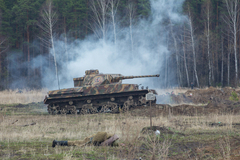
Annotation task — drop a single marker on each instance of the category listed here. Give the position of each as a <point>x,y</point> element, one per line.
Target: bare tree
<point>99,17</point>
<point>49,19</point>
<point>184,55</point>
<point>228,60</point>
<point>179,75</point>
<point>114,7</point>
<point>166,65</point>
<point>131,10</point>
<point>207,13</point>
<point>222,62</point>
<point>193,45</point>
<point>232,20</point>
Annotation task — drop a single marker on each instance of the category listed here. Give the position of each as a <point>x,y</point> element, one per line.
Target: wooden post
<point>150,113</point>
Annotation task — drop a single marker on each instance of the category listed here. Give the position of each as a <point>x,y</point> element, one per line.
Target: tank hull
<point>111,98</point>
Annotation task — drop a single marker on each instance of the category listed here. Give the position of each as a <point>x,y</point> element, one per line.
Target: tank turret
<point>93,78</point>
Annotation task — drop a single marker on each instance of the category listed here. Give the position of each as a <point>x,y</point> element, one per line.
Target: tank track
<point>107,103</point>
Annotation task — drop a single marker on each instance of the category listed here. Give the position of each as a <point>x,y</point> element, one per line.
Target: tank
<point>98,93</point>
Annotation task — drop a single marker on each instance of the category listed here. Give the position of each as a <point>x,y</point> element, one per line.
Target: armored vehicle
<point>96,93</point>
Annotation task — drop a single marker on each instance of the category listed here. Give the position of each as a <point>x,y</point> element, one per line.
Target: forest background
<point>204,49</point>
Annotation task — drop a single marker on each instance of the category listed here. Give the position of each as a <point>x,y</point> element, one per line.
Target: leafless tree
<point>190,19</point>
<point>228,61</point>
<point>183,36</point>
<point>179,75</point>
<point>100,20</point>
<point>131,10</point>
<point>232,20</point>
<point>222,61</point>
<point>166,64</point>
<point>113,11</point>
<point>207,33</point>
<point>47,23</point>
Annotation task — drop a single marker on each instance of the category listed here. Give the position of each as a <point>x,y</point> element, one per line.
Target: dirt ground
<point>203,96</point>
<point>196,102</point>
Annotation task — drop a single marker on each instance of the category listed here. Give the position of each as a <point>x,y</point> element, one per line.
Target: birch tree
<point>222,61</point>
<point>131,11</point>
<point>190,19</point>
<point>232,20</point>
<point>184,55</point>
<point>179,75</point>
<point>49,20</point>
<point>166,64</point>
<point>99,17</point>
<point>207,13</point>
<point>228,60</point>
<point>114,7</point>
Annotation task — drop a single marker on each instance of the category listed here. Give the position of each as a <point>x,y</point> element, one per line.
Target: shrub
<point>234,96</point>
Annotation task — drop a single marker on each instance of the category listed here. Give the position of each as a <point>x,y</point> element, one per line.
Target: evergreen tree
<point>144,8</point>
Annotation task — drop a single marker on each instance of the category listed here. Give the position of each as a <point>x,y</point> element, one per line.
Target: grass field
<point>22,96</point>
<point>27,132</point>
<point>182,137</point>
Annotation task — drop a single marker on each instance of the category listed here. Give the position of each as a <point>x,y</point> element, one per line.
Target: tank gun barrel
<point>131,77</point>
<point>116,79</point>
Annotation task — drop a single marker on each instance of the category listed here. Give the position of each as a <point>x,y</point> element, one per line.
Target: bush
<point>234,96</point>
<point>219,85</point>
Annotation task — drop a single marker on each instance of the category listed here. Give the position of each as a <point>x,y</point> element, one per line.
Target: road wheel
<point>125,107</point>
<point>63,111</point>
<point>93,110</point>
<point>84,111</point>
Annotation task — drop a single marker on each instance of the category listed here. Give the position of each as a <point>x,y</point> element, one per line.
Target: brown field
<point>183,136</point>
<point>22,96</point>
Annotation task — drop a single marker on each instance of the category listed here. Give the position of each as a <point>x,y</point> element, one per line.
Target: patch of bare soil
<point>163,130</point>
<point>203,102</point>
<point>203,96</point>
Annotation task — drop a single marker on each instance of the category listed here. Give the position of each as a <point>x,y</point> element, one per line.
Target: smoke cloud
<point>149,50</point>
<point>147,56</point>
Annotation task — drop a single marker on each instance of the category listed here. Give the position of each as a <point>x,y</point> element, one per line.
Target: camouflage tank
<point>97,93</point>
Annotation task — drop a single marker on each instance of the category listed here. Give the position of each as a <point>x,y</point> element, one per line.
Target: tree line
<point>204,47</point>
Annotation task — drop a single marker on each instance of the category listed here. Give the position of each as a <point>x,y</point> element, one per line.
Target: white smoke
<point>150,48</point>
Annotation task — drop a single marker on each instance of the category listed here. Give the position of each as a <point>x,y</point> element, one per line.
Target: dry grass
<point>127,127</point>
<point>22,96</point>
<point>34,141</point>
